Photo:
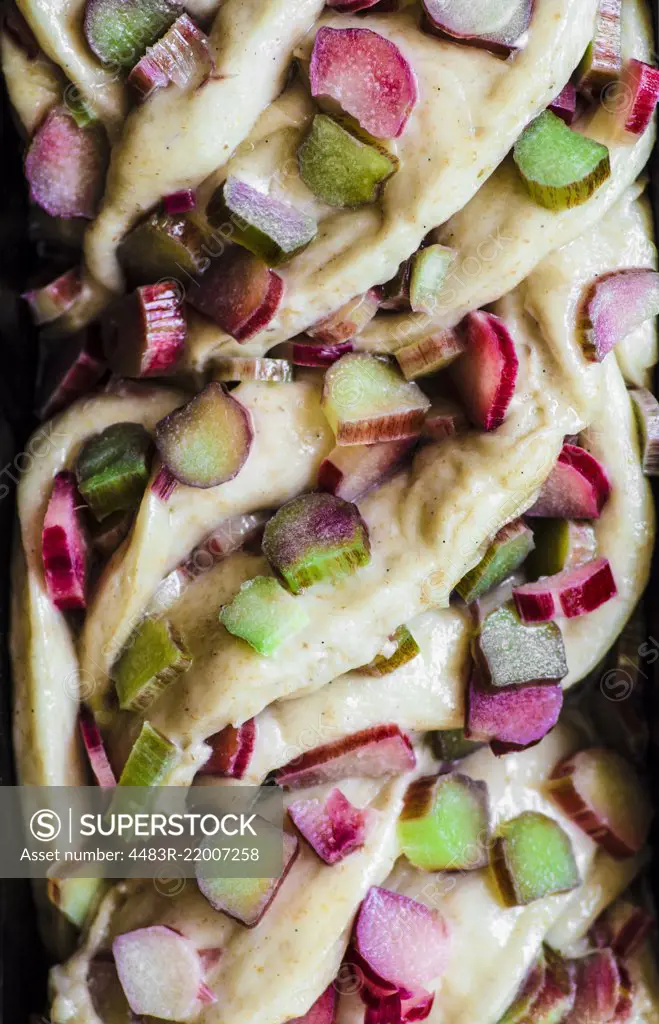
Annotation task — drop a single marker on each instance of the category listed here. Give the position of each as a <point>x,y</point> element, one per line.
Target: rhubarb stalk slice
<point>54,299</point>
<point>271,229</point>
<point>428,270</point>
<point>180,57</point>
<point>430,354</point>
<point>70,369</point>
<point>264,614</point>
<point>490,24</point>
<point>237,368</point>
<point>153,659</point>
<point>151,759</point>
<point>399,649</point>
<point>311,352</point>
<point>513,717</point>
<point>623,927</point>
<point>639,87</point>
<point>613,306</point>
<point>366,399</point>
<point>598,988</point>
<point>530,989</point>
<point>605,797</point>
<point>532,858</point>
<point>332,827</point>
<point>451,745</point>
<point>119,33</point>
<point>231,751</point>
<point>180,202</point>
<point>560,167</point>
<point>239,292</point>
<point>348,321</point>
<point>65,546</point>
<point>207,441</point>
<point>445,824</point>
<point>486,374</point>
<point>372,753</point>
<point>160,972</point>
<point>560,544</point>
<point>95,748</point>
<point>349,472</point>
<point>163,246</point>
<point>509,549</point>
<point>602,62</point>
<point>578,487</point>
<point>112,468</point>
<point>341,169</point>
<point>646,408</point>
<point>516,654</point>
<point>565,104</point>
<point>316,538</point>
<point>367,75</point>
<point>570,593</point>
<point>65,166</point>
<point>144,336</point>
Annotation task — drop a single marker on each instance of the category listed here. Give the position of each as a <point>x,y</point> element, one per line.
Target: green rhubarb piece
<point>150,761</point>
<point>112,469</point>
<point>451,745</point>
<point>400,648</point>
<point>340,168</point>
<point>561,168</point>
<point>119,31</point>
<point>445,824</point>
<point>80,112</point>
<point>517,654</point>
<point>266,226</point>
<point>532,858</point>
<point>153,659</point>
<point>74,897</point>
<point>508,550</point>
<point>264,614</point>
<point>518,1011</point>
<point>429,268</point>
<point>560,544</point>
<point>316,538</point>
<point>164,246</point>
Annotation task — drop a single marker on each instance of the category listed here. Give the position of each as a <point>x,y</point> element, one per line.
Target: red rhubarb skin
<point>371,753</point>
<point>578,487</point>
<point>231,751</point>
<point>486,374</point>
<point>65,166</point>
<point>65,545</point>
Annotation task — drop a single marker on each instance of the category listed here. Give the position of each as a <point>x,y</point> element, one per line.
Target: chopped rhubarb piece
<point>372,753</point>
<point>245,899</point>
<point>367,76</point>
<point>559,990</point>
<point>108,535</point>
<point>428,270</point>
<point>598,988</point>
<point>70,369</point>
<point>605,797</point>
<point>160,972</point>
<point>623,927</point>
<point>624,1010</point>
<point>164,484</point>
<point>264,614</point>
<point>65,545</point>
<point>309,352</point>
<point>231,751</point>
<point>565,104</point>
<point>239,292</point>
<point>490,24</point>
<point>180,202</point>
<point>153,659</point>
<point>578,487</point>
<point>646,408</point>
<point>226,538</point>
<point>511,546</point>
<point>570,593</point>
<point>613,306</point>
<point>95,748</point>
<point>529,990</point>
<point>144,335</point>
<point>182,56</point>
<point>639,85</point>
<point>54,299</point>
<point>332,827</point>
<point>323,1010</point>
<point>518,717</point>
<point>112,468</point>
<point>315,538</point>
<point>207,441</point>
<point>346,322</point>
<point>366,399</point>
<point>399,649</point>
<point>402,942</point>
<point>395,294</point>
<point>119,31</point>
<point>560,544</point>
<point>271,229</point>
<point>430,354</point>
<point>445,823</point>
<point>236,368</point>
<point>516,654</point>
<point>341,169</point>
<point>444,419</point>
<point>532,857</point>
<point>65,166</point>
<point>560,167</point>
<point>74,897</point>
<point>349,472</point>
<point>451,745</point>
<point>163,246</point>
<point>486,374</point>
<point>151,759</point>
<point>602,62</point>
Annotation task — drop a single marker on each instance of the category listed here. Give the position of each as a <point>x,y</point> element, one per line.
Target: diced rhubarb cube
<point>371,753</point>
<point>613,306</point>
<point>639,88</point>
<point>518,716</point>
<point>65,166</point>
<point>65,545</point>
<point>569,593</point>
<point>490,24</point>
<point>332,827</point>
<point>350,471</point>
